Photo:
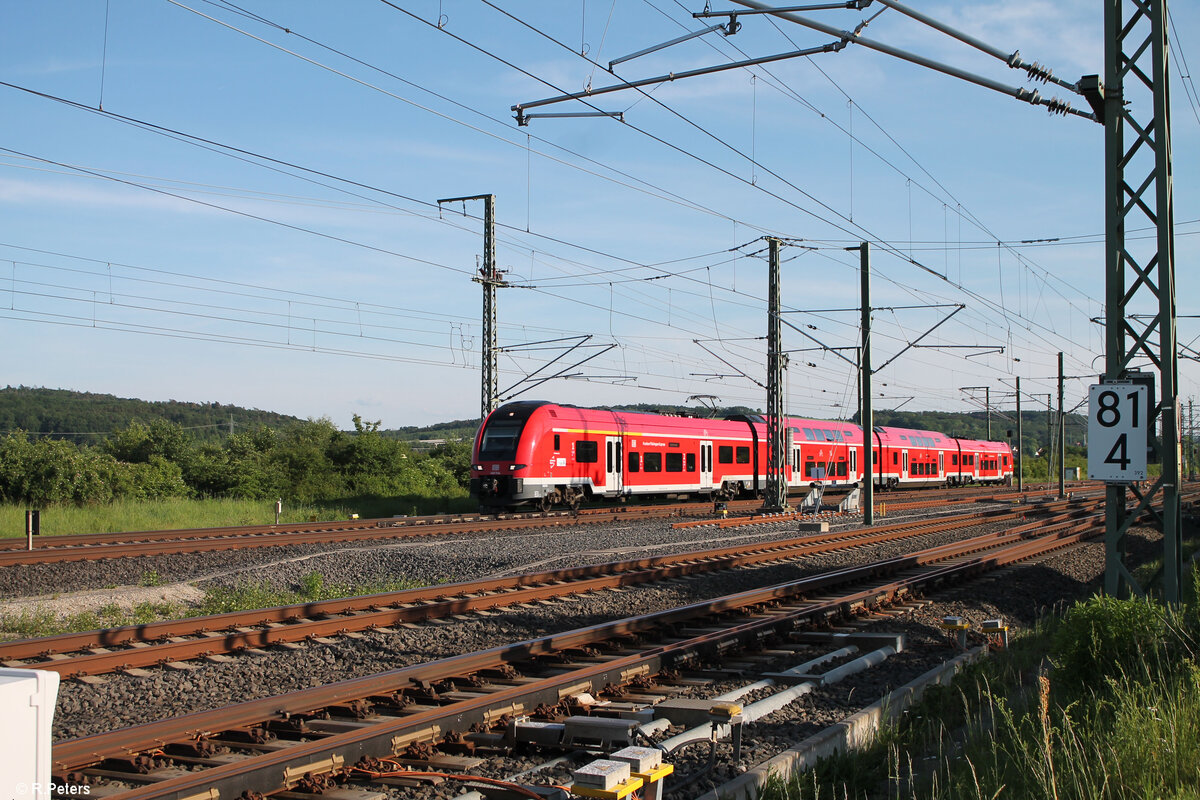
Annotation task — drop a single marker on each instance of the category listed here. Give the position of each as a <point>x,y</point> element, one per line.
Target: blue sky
<point>238,203</point>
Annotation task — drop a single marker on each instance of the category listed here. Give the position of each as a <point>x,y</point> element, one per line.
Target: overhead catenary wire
<point>710,286</point>
<point>884,245</point>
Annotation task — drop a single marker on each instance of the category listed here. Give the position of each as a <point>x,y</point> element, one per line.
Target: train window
<point>691,462</point>
<point>586,452</point>
<point>743,455</point>
<point>1006,461</point>
<point>725,454</point>
<point>874,457</point>
<point>954,459</point>
<point>635,462</point>
<point>608,465</point>
<point>895,458</point>
<point>837,435</point>
<point>674,462</point>
<point>500,440</point>
<point>841,469</point>
<point>808,434</point>
<point>557,443</point>
<point>809,468</point>
<point>653,462</point>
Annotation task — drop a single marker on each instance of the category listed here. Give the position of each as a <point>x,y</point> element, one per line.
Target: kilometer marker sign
<point>1117,423</point>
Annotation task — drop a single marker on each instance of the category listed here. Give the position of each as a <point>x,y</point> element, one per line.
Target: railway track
<point>96,546</point>
<point>133,648</point>
<point>300,741</point>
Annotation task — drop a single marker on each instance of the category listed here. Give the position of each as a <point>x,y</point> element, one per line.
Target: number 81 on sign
<point>1117,424</point>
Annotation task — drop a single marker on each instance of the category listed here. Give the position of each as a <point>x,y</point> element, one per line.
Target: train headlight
<point>478,467</point>
<point>517,466</point>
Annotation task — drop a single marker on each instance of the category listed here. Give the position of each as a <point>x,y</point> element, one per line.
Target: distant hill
<point>86,418</point>
<point>460,430</point>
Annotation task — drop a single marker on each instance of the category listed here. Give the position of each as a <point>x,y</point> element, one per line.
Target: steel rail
<point>227,633</point>
<point>57,549</point>
<point>384,738</point>
<point>125,544</point>
<point>47,542</point>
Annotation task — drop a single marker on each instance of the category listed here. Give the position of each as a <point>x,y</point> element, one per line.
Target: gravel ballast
<point>122,700</point>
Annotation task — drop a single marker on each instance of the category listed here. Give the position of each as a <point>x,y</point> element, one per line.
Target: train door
<point>612,465</point>
<point>853,476</point>
<point>904,464</point>
<point>706,465</point>
<point>941,463</point>
<point>796,465</point>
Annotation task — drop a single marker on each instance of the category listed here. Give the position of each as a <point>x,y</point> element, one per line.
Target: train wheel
<point>545,504</point>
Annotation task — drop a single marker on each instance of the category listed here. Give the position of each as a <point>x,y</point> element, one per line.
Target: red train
<point>541,454</point>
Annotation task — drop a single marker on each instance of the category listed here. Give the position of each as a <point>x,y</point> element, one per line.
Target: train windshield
<point>500,440</point>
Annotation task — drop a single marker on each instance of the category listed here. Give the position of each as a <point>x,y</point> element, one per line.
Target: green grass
<point>312,589</point>
<point>40,621</point>
<point>1116,718</point>
<point>171,514</point>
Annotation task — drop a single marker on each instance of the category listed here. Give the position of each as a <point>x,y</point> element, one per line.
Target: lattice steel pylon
<point>1134,105</point>
<point>491,279</point>
<point>775,494</point>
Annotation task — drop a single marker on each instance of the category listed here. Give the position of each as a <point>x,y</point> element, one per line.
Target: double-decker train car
<point>982,462</point>
<point>543,454</point>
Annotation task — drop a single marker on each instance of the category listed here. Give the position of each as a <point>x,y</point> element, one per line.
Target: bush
<point>1105,638</point>
<point>309,463</point>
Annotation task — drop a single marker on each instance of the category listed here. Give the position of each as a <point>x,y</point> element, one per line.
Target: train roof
<point>611,421</point>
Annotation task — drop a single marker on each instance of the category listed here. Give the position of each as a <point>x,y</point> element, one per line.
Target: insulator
<point>1037,72</point>
<point>1056,106</point>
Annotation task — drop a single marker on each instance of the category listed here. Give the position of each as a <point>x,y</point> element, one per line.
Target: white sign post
<point>1117,432</point>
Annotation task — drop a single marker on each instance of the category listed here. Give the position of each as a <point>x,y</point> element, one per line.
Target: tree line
<point>87,417</point>
<point>306,462</point>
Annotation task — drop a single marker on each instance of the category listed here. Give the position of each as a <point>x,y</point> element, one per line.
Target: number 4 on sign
<point>1117,432</point>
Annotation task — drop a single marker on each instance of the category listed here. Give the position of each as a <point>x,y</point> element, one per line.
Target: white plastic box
<point>27,698</point>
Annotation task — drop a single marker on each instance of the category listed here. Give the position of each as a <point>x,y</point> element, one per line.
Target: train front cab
<point>503,451</point>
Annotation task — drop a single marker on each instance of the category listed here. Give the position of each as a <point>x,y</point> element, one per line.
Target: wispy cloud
<point>58,66</point>
<point>1064,35</point>
<point>61,194</point>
